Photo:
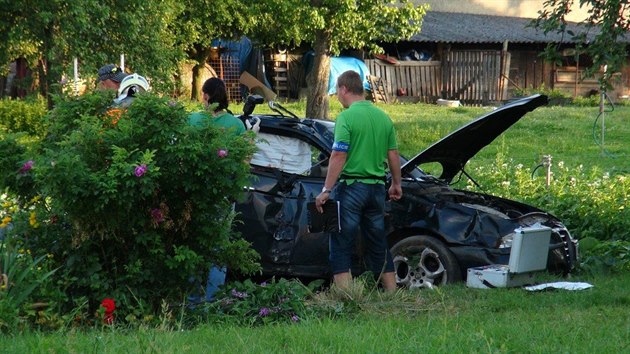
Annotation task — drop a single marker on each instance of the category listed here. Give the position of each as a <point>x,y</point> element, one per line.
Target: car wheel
<point>424,262</point>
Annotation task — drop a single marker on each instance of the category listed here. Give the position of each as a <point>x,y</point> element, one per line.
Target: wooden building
<point>480,59</point>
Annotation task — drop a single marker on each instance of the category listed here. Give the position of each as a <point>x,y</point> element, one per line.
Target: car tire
<point>424,262</point>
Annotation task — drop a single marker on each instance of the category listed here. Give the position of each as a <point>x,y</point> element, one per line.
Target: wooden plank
<point>414,81</point>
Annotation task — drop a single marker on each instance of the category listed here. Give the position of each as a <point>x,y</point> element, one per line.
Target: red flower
<point>110,306</point>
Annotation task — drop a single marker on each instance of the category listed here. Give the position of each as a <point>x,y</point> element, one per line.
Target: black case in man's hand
<point>328,221</point>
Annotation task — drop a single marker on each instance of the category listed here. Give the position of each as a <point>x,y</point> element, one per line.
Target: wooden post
<point>577,72</point>
<point>503,74</point>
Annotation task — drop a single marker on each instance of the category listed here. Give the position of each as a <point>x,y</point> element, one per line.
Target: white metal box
<point>496,276</point>
<point>530,248</point>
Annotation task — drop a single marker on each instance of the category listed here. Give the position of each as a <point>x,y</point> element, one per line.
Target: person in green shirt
<point>214,92</point>
<point>364,140</point>
<point>215,95</point>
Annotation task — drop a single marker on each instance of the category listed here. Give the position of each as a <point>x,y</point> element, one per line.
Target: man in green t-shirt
<point>364,139</point>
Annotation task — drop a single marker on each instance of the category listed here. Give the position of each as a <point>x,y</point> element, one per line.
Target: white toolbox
<point>530,247</point>
<point>496,276</point>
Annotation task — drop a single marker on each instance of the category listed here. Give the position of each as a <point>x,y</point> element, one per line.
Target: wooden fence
<point>474,77</point>
<point>418,79</point>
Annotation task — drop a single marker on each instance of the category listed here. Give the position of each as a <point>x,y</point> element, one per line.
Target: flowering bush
<point>269,302</point>
<point>133,208</point>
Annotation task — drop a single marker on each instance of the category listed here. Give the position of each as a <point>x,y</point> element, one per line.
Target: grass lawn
<point>454,319</point>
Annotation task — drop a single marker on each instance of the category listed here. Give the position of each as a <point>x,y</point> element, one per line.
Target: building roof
<point>452,27</point>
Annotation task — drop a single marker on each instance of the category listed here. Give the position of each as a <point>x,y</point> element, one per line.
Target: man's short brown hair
<point>352,81</point>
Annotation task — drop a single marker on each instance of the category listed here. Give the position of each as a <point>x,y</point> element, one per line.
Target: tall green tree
<point>330,26</point>
<point>600,35</point>
<point>202,21</point>
<point>50,33</point>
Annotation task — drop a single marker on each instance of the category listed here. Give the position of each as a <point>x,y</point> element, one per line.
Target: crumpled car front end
<point>477,228</point>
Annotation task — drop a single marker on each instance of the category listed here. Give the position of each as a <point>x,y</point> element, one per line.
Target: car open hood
<point>454,150</point>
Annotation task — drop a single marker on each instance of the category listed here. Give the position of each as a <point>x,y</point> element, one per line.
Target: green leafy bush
<point>607,256</point>
<point>137,201</point>
<point>23,116</point>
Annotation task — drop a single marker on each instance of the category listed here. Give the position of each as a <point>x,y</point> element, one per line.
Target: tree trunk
<point>201,58</point>
<point>195,93</point>
<point>317,79</point>
<point>43,71</point>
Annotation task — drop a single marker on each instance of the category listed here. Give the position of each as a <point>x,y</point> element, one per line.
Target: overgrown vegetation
<point>103,199</point>
<point>452,319</point>
<point>23,116</point>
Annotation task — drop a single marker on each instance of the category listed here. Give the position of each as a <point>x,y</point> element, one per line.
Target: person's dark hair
<point>352,81</point>
<point>217,93</point>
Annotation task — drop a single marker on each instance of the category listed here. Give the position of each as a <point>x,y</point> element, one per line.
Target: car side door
<point>288,171</point>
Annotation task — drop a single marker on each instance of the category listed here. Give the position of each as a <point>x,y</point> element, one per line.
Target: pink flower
<point>157,216</point>
<point>295,318</point>
<point>222,153</point>
<point>264,312</point>
<point>140,170</point>
<point>26,167</point>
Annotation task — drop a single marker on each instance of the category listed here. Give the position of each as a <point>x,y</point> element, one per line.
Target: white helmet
<point>131,85</point>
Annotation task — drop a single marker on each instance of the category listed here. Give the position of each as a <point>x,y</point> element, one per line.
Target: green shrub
<point>592,101</point>
<point>137,201</point>
<point>551,93</point>
<point>607,256</point>
<point>23,116</point>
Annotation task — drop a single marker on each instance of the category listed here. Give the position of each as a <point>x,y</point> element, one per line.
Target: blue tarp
<point>337,66</point>
<point>340,64</point>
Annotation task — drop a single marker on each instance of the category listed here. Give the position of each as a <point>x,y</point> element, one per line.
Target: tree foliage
<point>330,26</point>
<point>603,36</point>
<point>50,33</point>
<point>202,21</point>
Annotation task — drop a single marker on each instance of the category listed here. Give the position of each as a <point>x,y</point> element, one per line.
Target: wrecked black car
<point>435,232</point>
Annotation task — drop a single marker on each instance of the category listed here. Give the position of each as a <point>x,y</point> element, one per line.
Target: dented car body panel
<point>474,227</point>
